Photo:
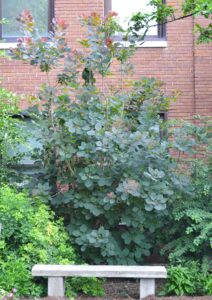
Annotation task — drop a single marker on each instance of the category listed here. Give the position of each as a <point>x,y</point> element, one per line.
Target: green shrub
<point>106,153</point>
<point>180,281</point>
<point>30,235</point>
<point>117,173</point>
<point>190,219</point>
<point>10,136</point>
<point>189,279</point>
<point>208,285</point>
<point>107,167</point>
<point>29,225</point>
<point>90,286</point>
<point>15,273</point>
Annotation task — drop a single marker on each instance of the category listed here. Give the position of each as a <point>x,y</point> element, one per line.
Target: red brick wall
<point>182,65</point>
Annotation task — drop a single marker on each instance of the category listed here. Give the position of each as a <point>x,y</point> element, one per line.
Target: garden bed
<point>129,298</point>
<point>119,289</point>
<point>127,289</point>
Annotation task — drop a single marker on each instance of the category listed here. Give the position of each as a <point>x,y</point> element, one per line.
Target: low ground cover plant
<point>188,278</point>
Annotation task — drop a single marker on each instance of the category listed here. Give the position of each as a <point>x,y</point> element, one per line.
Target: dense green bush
<point>188,239</point>
<point>10,135</point>
<point>122,179</point>
<point>106,164</point>
<point>29,235</point>
<point>190,219</point>
<point>188,279</point>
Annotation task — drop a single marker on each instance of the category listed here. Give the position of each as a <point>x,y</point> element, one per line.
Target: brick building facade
<point>179,62</point>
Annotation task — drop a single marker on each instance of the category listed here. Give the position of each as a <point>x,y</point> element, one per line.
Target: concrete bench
<point>56,274</point>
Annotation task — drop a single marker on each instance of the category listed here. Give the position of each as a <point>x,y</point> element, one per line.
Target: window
<point>42,11</point>
<point>28,165</point>
<point>164,117</point>
<point>125,9</point>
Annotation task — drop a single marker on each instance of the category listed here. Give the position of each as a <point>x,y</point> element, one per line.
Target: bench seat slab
<point>99,271</point>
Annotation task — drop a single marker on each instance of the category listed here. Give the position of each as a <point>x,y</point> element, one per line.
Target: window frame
<point>27,165</point>
<point>161,28</point>
<point>51,14</point>
<point>163,114</point>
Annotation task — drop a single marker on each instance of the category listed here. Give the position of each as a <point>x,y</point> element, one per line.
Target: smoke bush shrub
<point>106,167</point>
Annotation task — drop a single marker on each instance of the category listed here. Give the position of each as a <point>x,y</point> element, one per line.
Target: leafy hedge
<point>10,135</point>
<point>189,231</point>
<point>30,235</point>
<point>188,278</point>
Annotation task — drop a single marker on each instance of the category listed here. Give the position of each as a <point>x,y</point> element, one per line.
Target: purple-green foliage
<point>106,166</point>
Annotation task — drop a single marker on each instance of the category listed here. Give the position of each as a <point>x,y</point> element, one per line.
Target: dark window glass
<point>42,11</point>
<point>164,117</point>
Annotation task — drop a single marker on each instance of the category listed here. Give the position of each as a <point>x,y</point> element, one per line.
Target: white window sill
<point>5,46</point>
<point>147,44</point>
<point>154,44</point>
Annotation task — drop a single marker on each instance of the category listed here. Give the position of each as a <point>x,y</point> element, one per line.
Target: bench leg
<point>56,287</point>
<point>147,287</point>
